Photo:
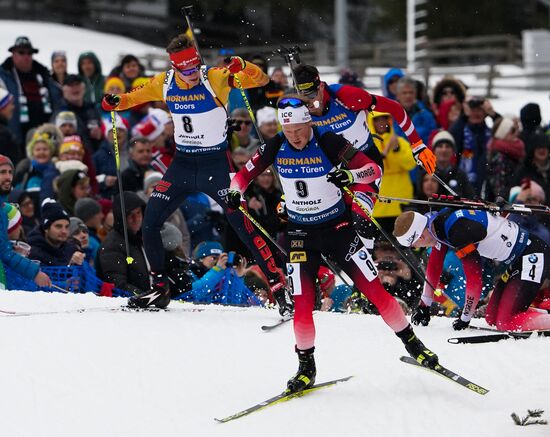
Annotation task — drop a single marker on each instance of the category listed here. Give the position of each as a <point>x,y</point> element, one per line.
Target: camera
<point>233,259</point>
<point>476,102</point>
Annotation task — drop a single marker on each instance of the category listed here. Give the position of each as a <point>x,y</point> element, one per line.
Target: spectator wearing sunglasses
<point>505,153</point>
<point>242,128</point>
<point>196,96</point>
<point>35,95</point>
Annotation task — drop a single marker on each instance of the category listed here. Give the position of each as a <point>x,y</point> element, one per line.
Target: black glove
<point>233,199</point>
<point>110,101</point>
<point>459,324</point>
<point>421,315</point>
<point>341,177</point>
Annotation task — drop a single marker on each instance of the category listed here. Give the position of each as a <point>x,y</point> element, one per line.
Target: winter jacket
<point>48,255</point>
<point>105,165</point>
<point>111,262</point>
<point>8,257</point>
<point>396,181</point>
<point>8,142</point>
<point>504,158</point>
<point>132,177</point>
<point>457,180</point>
<point>423,120</point>
<point>36,118</point>
<point>94,84</point>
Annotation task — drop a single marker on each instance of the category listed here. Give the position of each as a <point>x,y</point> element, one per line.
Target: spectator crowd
<point>62,205</point>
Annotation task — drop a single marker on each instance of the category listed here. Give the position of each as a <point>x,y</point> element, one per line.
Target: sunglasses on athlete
<point>189,71</point>
<point>290,102</point>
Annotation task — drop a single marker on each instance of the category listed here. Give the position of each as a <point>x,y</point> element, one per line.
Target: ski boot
<point>416,348</point>
<point>283,297</point>
<point>305,377</point>
<point>158,296</point>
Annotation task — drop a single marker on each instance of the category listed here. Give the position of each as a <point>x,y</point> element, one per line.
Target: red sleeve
<point>354,98</point>
<point>383,104</point>
<point>263,158</point>
<point>472,271</point>
<point>433,272</point>
<point>364,169</point>
<point>358,99</point>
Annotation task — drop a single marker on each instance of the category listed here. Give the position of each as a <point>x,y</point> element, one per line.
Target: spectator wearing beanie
<point>139,161</point>
<point>91,213</point>
<point>104,159</point>
<point>26,207</point>
<point>66,122</point>
<point>114,85</point>
<point>59,67</point>
<point>505,153</point>
<point>532,193</point>
<point>444,148</point>
<point>31,172</point>
<point>266,118</point>
<point>531,120</point>
<point>78,233</point>
<point>71,186</point>
<point>50,243</point>
<point>71,149</point>
<point>111,262</point>
<point>14,220</point>
<point>8,142</point>
<point>536,166</point>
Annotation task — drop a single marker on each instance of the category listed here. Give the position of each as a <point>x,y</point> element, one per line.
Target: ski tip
<point>453,340</point>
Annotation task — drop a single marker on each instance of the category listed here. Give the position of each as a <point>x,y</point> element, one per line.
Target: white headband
<point>293,115</point>
<point>504,127</point>
<point>415,231</point>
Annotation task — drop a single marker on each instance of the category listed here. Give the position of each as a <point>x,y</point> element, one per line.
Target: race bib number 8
<point>532,266</point>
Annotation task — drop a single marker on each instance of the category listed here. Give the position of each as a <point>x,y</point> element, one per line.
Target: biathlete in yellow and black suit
<point>196,97</point>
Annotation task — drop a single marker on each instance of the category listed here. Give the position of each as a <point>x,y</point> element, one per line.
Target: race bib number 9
<point>532,266</point>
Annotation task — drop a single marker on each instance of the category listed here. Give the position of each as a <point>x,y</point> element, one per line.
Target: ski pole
<point>249,108</point>
<point>186,11</point>
<point>444,185</point>
<point>418,271</point>
<point>129,259</point>
<point>450,202</point>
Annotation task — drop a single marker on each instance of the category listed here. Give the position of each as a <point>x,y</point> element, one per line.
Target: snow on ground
<point>169,374</point>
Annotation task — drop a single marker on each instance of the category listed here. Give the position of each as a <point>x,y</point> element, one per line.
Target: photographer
<point>217,277</point>
<point>395,275</point>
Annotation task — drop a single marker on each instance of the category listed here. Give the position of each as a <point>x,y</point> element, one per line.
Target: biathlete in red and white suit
<point>308,160</point>
<point>476,234</point>
<point>344,109</point>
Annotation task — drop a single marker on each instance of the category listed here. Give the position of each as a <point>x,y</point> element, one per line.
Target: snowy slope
<point>169,374</point>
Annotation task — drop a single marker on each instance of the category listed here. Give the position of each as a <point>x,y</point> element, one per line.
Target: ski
<point>449,374</point>
<point>276,325</point>
<point>6,313</point>
<point>281,398</point>
<point>497,336</point>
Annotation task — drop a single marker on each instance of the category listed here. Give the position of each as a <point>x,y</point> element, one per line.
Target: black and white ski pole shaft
<point>444,185</point>
<point>129,259</point>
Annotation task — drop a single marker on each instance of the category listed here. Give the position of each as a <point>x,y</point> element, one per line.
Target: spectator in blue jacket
<point>422,118</point>
<point>8,256</point>
<point>389,82</point>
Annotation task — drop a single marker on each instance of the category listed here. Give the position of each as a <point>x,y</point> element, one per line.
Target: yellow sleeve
<point>150,92</point>
<point>222,82</point>
<point>404,158</point>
